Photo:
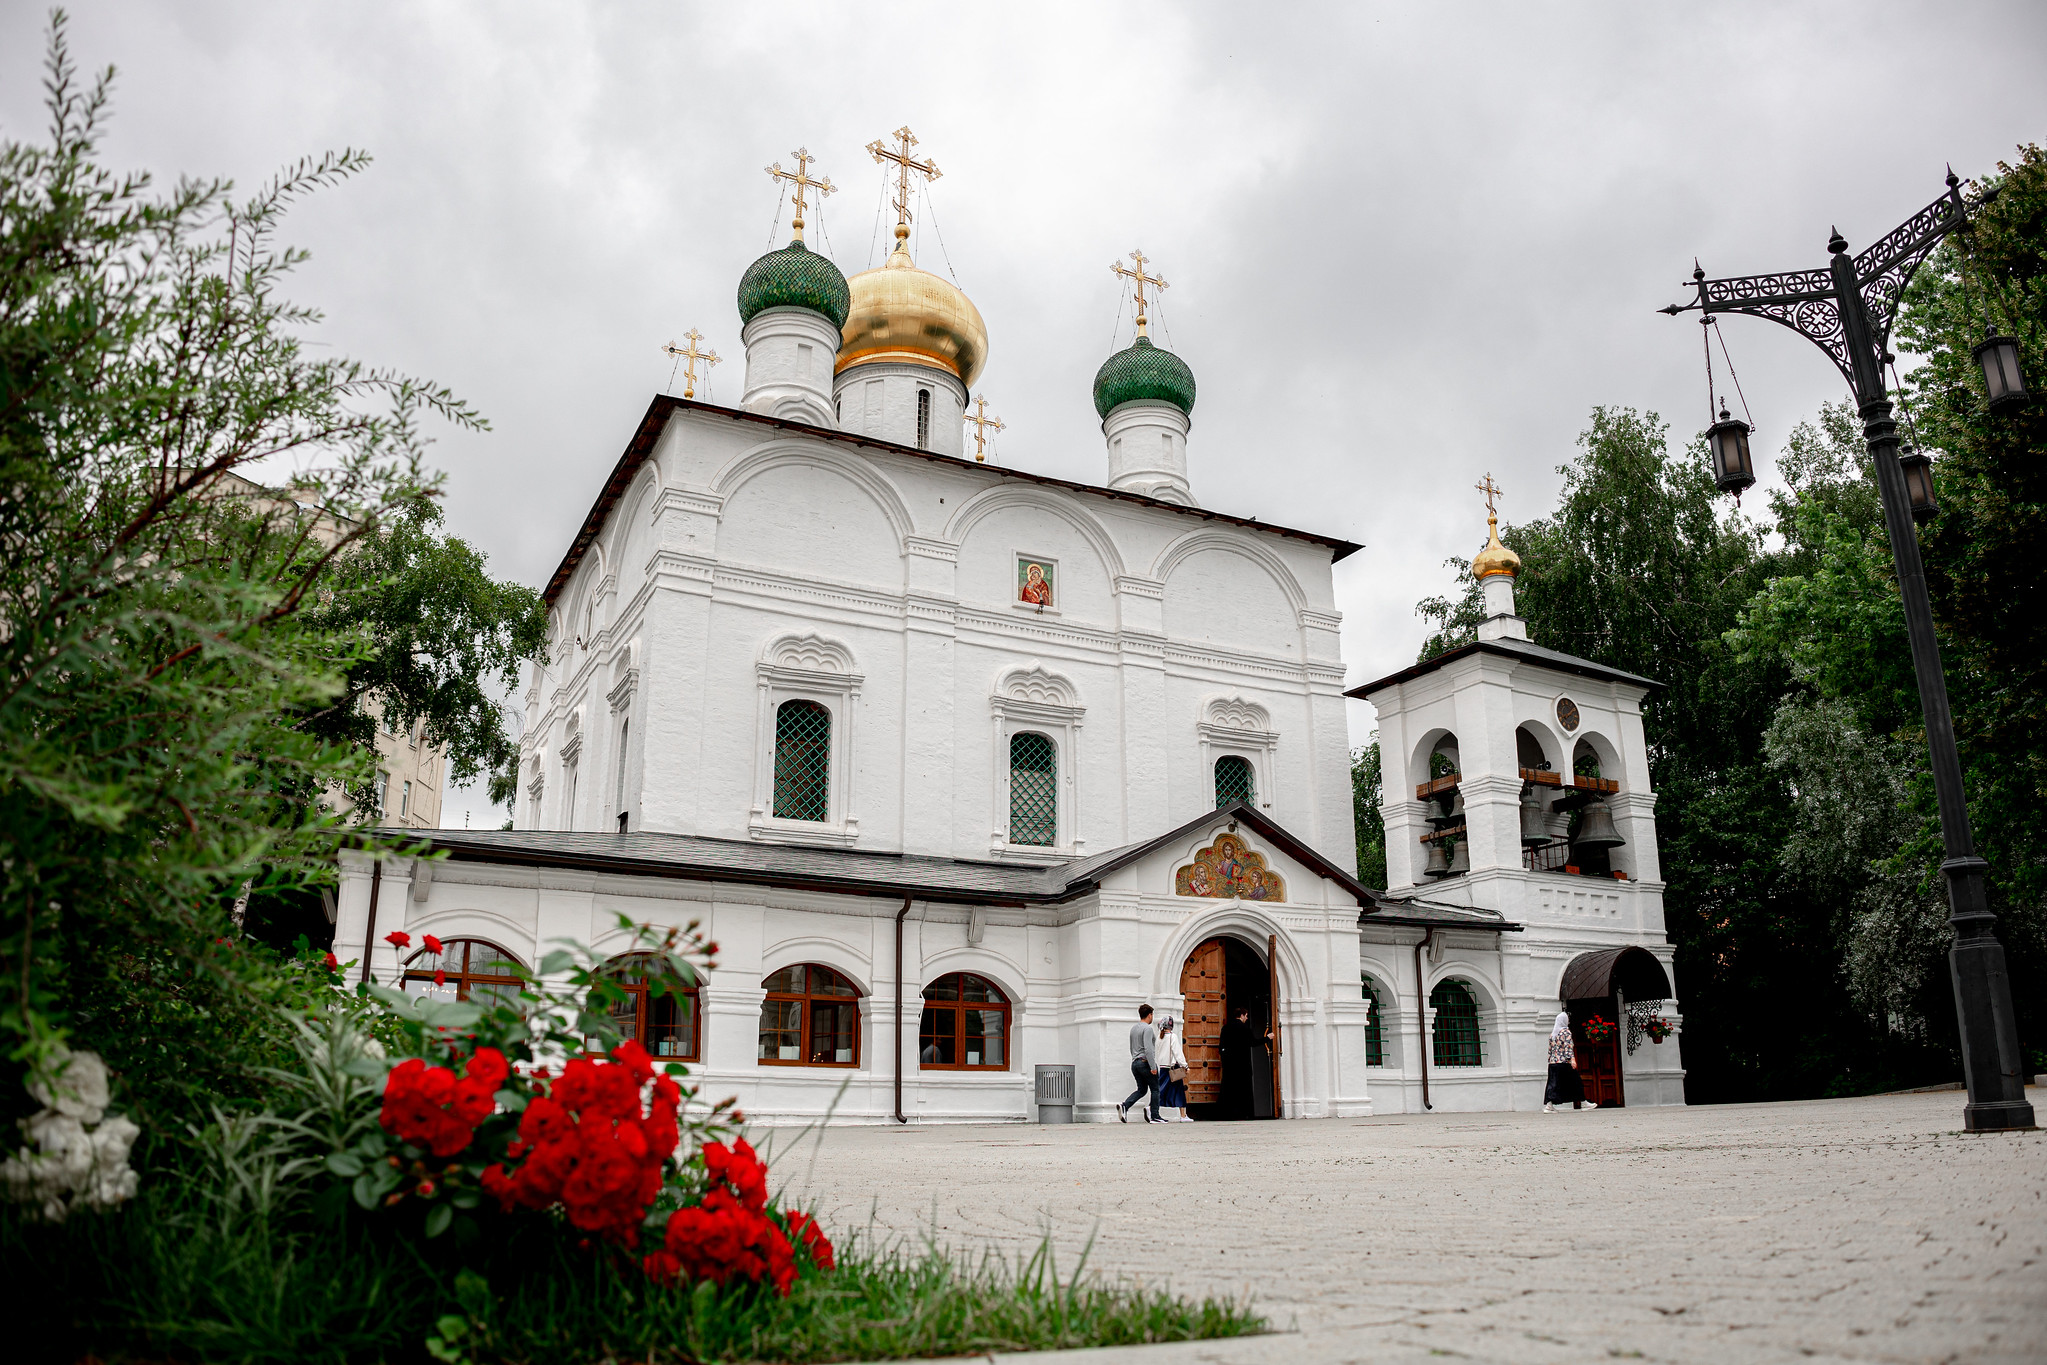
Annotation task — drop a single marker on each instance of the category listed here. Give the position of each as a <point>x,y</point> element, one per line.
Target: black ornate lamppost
<point>1846,310</point>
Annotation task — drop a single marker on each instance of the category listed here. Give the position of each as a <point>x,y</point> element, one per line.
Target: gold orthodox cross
<point>983,424</point>
<point>1491,491</point>
<point>905,163</point>
<point>688,355</point>
<point>802,182</point>
<point>1140,279</point>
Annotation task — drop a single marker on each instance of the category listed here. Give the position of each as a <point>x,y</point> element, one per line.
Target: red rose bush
<point>509,1113</point>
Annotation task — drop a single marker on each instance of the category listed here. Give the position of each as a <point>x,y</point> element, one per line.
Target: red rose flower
<point>812,1236</point>
<point>587,1146</point>
<point>398,938</point>
<point>331,963</point>
<point>432,944</point>
<point>428,1107</point>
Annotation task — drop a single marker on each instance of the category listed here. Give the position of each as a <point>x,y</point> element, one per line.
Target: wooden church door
<point>1599,1065</point>
<point>1201,982</point>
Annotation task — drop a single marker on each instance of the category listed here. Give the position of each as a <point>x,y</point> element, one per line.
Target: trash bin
<point>1055,1094</point>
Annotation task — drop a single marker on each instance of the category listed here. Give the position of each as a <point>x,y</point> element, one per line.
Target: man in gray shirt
<point>1144,1057</point>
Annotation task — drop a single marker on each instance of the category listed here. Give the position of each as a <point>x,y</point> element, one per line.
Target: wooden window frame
<point>460,976</point>
<point>810,999</point>
<point>642,999</point>
<point>956,1007</point>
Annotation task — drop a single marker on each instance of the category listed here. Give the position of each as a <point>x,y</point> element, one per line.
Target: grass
<point>168,1278</point>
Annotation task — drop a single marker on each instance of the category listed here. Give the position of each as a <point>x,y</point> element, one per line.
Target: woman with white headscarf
<point>1173,1071</point>
<point>1563,1068</point>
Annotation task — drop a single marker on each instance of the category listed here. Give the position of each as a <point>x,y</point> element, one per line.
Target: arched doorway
<point>1222,975</point>
<point>1597,986</point>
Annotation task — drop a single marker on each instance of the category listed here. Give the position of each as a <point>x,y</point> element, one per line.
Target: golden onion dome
<point>1495,558</point>
<point>901,313</point>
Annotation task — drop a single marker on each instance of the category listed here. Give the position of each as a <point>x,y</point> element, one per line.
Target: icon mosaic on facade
<point>1226,869</point>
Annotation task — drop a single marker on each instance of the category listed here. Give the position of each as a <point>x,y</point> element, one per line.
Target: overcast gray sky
<point>1407,244</point>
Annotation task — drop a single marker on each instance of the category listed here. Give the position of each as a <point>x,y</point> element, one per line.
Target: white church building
<point>959,764</point>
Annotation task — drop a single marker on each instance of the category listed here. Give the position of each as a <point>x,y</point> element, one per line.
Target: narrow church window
<point>665,1025</point>
<point>1457,1040</point>
<point>965,1025</point>
<point>923,418</point>
<point>468,969</point>
<point>803,761</point>
<point>1033,790</point>
<point>1234,781</point>
<point>625,729</point>
<point>811,1017</point>
<point>1375,1027</point>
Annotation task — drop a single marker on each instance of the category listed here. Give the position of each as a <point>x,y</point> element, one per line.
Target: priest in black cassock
<point>1239,1048</point>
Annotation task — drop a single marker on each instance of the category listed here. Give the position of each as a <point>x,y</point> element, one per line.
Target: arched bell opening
<point>1229,1029</point>
<point>1440,772</point>
<point>1543,848</point>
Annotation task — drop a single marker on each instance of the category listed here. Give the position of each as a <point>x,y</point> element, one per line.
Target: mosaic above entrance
<point>1228,868</point>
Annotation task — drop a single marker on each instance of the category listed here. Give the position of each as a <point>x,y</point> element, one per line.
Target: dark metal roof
<point>642,442</point>
<point>856,872</point>
<point>1411,911</point>
<point>1510,649</point>
<point>1633,971</point>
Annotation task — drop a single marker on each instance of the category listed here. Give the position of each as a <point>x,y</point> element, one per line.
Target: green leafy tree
<point>156,659</point>
<point>438,631</point>
<point>1364,794</point>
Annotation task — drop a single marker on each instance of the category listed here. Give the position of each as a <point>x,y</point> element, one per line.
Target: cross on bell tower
<point>1140,279</point>
<point>983,424</point>
<point>904,163</point>
<point>688,355</point>
<point>802,181</point>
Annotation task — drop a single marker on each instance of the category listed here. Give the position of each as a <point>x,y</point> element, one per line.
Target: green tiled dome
<point>794,277</point>
<point>1144,373</point>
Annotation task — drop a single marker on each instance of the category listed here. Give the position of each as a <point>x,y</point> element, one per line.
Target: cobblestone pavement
<point>1857,1230</point>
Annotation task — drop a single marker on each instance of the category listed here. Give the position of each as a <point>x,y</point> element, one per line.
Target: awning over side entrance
<point>1632,971</point>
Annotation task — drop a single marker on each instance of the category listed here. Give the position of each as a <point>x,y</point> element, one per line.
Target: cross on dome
<point>1491,491</point>
<point>689,355</point>
<point>983,424</point>
<point>802,181</point>
<point>905,163</point>
<point>1140,279</point>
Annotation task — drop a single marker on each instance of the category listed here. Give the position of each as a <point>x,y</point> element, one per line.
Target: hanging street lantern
<point>1727,441</point>
<point>1919,484</point>
<point>1999,357</point>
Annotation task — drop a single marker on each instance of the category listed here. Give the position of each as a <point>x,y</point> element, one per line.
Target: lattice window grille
<point>803,761</point>
<point>1234,781</point>
<point>1033,790</point>
<point>1457,1035</point>
<point>1375,1028</point>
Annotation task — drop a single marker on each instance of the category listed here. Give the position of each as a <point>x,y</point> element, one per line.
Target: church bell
<point>1595,829</point>
<point>1439,861</point>
<point>1534,819</point>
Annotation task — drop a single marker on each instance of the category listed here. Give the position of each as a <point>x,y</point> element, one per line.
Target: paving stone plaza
<point>1858,1230</point>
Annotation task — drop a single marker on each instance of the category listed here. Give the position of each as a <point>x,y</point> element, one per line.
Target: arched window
<point>465,969</point>
<point>1457,1038</point>
<point>1375,1027</point>
<point>666,1025</point>
<point>965,1025</point>
<point>803,761</point>
<point>1233,781</point>
<point>923,418</point>
<point>810,1018</point>
<point>1033,789</point>
<point>625,732</point>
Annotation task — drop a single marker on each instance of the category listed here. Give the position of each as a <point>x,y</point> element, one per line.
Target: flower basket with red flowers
<point>1658,1028</point>
<point>1598,1029</point>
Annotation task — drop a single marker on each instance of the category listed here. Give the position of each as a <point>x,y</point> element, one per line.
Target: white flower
<point>73,1083</point>
<point>69,1165</point>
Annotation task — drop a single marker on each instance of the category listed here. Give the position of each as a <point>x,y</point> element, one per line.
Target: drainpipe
<point>1421,1011</point>
<point>369,933</point>
<point>899,1009</point>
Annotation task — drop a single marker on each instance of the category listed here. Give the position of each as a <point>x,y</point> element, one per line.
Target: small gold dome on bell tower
<point>901,313</point>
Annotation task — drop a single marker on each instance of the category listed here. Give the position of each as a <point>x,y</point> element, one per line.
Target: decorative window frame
<point>1234,725</point>
<point>1017,557</point>
<point>806,668</point>
<point>1035,699</point>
